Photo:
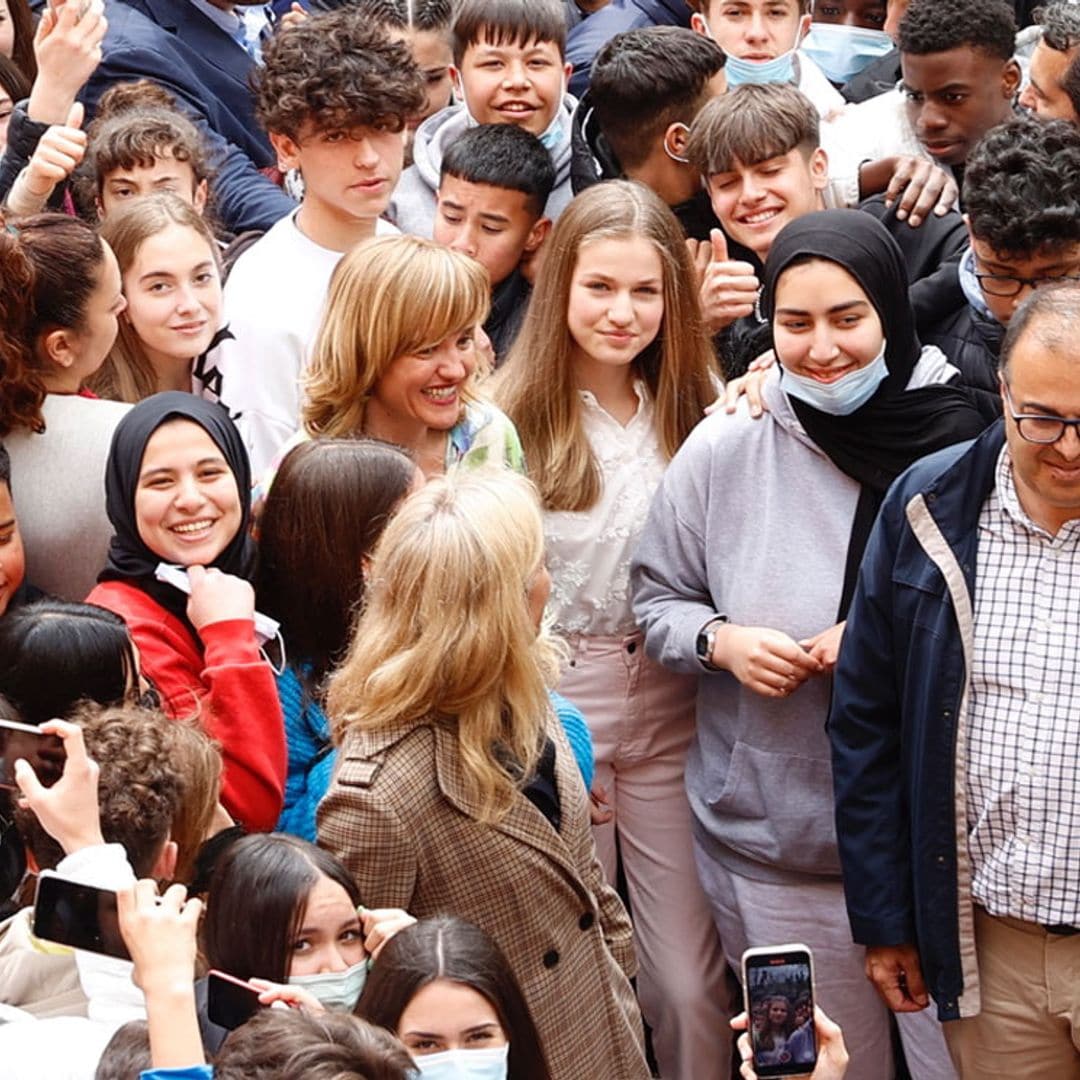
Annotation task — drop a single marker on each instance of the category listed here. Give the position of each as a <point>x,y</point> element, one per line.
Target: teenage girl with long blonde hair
<point>610,373</point>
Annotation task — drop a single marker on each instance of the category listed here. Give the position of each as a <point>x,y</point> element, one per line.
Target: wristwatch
<point>706,642</point>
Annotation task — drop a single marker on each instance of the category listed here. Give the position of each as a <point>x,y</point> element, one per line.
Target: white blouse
<point>589,551</point>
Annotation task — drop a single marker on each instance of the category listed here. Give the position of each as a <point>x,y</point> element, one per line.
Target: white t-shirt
<point>274,301</point>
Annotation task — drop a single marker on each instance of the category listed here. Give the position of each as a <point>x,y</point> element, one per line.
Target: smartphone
<point>44,752</point>
<point>79,916</point>
<point>779,986</point>
<point>230,1001</point>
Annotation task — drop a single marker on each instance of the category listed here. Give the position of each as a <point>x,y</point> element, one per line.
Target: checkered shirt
<point>1023,765</point>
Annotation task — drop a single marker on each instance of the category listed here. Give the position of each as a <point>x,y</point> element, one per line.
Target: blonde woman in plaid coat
<point>456,790</point>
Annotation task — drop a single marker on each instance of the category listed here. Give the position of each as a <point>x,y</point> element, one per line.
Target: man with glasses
<point>1022,208</point>
<point>955,724</point>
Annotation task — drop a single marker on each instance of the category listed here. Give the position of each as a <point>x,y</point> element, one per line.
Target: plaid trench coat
<point>399,816</point>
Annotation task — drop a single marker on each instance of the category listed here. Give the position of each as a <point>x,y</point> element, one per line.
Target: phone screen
<point>780,998</point>
<point>230,1002</point>
<point>44,752</point>
<point>79,916</point>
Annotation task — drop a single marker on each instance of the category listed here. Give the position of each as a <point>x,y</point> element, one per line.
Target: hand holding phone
<point>159,932</point>
<point>832,1059</point>
<point>778,983</point>
<point>44,751</point>
<point>68,809</point>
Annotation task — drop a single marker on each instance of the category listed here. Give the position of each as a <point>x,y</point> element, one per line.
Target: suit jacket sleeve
<point>864,729</point>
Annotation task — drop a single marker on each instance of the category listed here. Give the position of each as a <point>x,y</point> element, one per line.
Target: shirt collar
<point>588,399</point>
<point>229,21</point>
<point>1013,511</point>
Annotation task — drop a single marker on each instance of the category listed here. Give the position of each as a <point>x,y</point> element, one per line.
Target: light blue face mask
<point>843,51</point>
<point>553,136</point>
<point>840,398</point>
<point>780,69</point>
<point>487,1064</point>
<point>338,991</point>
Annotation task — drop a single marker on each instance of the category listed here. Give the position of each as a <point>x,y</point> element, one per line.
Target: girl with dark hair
<point>176,486</point>
<point>285,911</point>
<point>328,506</point>
<point>445,989</point>
<point>17,37</point>
<point>60,296</point>
<point>54,653</point>
<point>14,86</point>
<point>786,503</point>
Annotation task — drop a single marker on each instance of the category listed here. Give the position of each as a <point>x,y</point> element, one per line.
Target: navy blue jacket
<point>588,37</point>
<point>900,693</point>
<point>175,45</point>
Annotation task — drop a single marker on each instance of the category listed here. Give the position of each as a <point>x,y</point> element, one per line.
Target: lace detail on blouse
<point>589,551</point>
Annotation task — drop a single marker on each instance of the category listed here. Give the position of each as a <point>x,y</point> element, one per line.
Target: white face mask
<point>491,1063</point>
<point>338,991</point>
<point>846,394</point>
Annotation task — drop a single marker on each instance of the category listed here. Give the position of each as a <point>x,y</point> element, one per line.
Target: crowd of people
<point>506,505</point>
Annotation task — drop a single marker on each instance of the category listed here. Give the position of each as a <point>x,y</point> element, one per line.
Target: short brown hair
<point>140,785</point>
<point>751,124</point>
<point>508,22</point>
<point>316,1046</point>
<point>136,124</point>
<point>338,69</point>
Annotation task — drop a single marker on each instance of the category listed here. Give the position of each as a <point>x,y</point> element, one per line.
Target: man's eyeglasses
<point>1004,285</point>
<point>1042,430</point>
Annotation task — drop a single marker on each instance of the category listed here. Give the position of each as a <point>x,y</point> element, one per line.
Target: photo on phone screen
<point>779,987</point>
<point>230,1002</point>
<point>44,752</point>
<point>78,916</point>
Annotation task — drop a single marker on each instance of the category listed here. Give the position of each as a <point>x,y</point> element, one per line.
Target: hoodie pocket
<point>777,809</point>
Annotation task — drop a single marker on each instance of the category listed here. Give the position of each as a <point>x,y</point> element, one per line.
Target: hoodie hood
<point>437,132</point>
<point>412,206</point>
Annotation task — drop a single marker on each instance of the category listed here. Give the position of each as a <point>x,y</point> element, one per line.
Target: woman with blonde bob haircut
<point>396,356</point>
<point>172,283</point>
<point>610,373</point>
<point>456,790</point>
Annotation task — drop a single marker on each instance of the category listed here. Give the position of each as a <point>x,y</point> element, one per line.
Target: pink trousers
<point>642,719</point>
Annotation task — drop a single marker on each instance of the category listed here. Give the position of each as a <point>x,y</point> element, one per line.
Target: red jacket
<point>226,683</point>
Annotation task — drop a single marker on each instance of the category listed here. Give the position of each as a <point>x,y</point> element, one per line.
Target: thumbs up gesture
<point>58,154</point>
<point>728,288</point>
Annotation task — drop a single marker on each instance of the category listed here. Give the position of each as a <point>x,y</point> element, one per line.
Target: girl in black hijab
<point>740,574</point>
<point>177,488</point>
<point>896,409</point>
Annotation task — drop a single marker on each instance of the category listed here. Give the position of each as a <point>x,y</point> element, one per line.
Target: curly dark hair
<point>403,14</point>
<point>1022,186</point>
<point>933,26</point>
<point>140,785</point>
<point>339,69</point>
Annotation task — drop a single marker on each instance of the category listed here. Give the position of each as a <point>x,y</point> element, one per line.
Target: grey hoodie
<point>753,521</point>
<point>412,206</point>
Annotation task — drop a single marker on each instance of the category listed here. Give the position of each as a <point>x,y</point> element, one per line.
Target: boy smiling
<point>509,68</point>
